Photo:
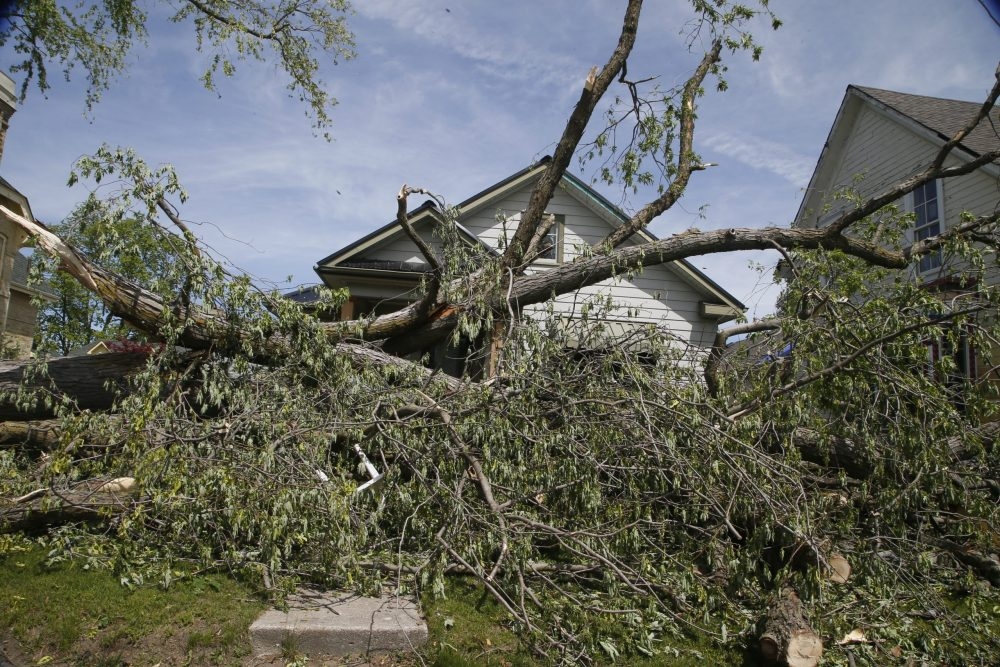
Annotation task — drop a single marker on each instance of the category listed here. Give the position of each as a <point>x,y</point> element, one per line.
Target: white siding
<point>655,295</point>
<point>878,151</point>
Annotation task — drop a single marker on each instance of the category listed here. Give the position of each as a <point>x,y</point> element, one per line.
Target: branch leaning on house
<point>983,114</point>
<point>933,171</point>
<point>404,222</point>
<point>595,87</point>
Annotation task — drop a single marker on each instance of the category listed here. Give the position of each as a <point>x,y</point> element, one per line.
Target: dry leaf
<point>855,636</point>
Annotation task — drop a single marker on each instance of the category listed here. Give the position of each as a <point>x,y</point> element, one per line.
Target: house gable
<point>386,264</point>
<point>879,137</point>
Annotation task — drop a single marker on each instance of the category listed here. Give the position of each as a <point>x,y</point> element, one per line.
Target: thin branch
<point>404,222</point>
<point>719,347</point>
<point>171,212</point>
<point>273,35</point>
<point>685,156</point>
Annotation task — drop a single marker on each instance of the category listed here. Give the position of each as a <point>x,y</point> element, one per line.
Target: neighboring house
<point>383,270</point>
<point>22,313</point>
<point>17,314</point>
<point>880,137</point>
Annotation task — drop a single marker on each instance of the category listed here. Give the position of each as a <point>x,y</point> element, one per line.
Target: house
<point>880,137</point>
<point>383,270</point>
<point>17,312</point>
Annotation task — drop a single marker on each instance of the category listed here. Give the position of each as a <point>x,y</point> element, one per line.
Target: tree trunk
<point>91,382</point>
<point>30,436</point>
<point>788,639</point>
<point>93,500</point>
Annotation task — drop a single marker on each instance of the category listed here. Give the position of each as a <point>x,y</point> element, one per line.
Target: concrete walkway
<point>325,623</point>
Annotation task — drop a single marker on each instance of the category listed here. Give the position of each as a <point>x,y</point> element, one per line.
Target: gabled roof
<point>942,116</point>
<point>933,118</point>
<point>10,194</point>
<point>597,203</point>
<point>427,210</point>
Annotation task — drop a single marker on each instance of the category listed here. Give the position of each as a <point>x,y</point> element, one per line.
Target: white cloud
<point>763,154</point>
<point>507,56</point>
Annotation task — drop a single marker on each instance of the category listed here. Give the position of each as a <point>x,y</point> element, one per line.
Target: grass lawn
<point>66,615</point>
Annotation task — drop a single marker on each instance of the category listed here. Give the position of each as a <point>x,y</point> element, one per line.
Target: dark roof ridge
<point>870,89</point>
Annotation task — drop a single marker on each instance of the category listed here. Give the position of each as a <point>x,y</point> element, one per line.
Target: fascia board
<point>375,238</point>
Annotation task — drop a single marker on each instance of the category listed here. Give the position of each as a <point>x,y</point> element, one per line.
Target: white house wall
<point>642,298</point>
<point>876,152</point>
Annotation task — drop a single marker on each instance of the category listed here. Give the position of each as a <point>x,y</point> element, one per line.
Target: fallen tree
<point>610,502</point>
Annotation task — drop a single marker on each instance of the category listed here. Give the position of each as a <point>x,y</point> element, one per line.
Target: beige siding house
<point>17,312</point>
<point>382,270</point>
<point>880,137</point>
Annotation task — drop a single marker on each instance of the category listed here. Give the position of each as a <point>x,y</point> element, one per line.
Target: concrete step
<point>332,623</point>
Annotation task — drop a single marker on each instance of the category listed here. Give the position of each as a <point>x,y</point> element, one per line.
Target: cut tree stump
<point>788,639</point>
<point>839,569</point>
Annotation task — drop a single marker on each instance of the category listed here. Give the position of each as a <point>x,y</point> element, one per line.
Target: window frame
<point>557,247</point>
<point>932,262</point>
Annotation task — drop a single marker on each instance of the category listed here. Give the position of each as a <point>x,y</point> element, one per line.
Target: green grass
<point>87,617</point>
<point>469,629</point>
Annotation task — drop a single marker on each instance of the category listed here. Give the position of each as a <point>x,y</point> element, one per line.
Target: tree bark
<point>91,382</point>
<point>30,436</point>
<point>788,639</point>
<point>93,500</point>
<point>984,566</point>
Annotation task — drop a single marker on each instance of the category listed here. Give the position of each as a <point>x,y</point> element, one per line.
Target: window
<point>927,209</point>
<point>955,354</point>
<point>550,249</point>
<point>952,362</point>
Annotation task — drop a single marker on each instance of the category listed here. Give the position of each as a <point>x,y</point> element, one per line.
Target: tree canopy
<point>613,501</point>
<point>299,36</point>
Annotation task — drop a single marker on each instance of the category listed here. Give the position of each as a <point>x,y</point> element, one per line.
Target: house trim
<point>429,208</point>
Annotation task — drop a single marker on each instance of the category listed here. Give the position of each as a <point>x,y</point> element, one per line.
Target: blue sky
<point>454,96</point>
